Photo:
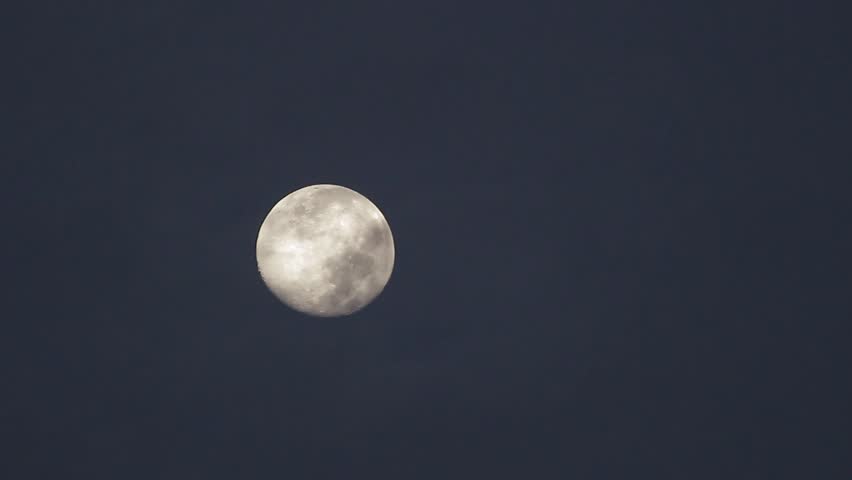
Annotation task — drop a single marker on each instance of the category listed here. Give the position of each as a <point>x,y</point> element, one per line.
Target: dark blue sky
<point>622,236</point>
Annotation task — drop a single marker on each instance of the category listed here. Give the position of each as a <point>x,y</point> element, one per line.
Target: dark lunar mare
<point>347,272</point>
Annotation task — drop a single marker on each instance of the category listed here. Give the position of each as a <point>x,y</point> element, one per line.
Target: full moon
<point>325,250</point>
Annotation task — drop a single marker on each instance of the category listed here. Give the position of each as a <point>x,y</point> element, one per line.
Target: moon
<point>325,250</point>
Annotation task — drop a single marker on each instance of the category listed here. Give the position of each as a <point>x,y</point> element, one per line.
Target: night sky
<point>622,240</point>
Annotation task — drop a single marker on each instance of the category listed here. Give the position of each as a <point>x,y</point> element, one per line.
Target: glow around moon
<point>325,250</point>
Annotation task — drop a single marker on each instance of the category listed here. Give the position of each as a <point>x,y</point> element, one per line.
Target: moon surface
<point>325,250</point>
